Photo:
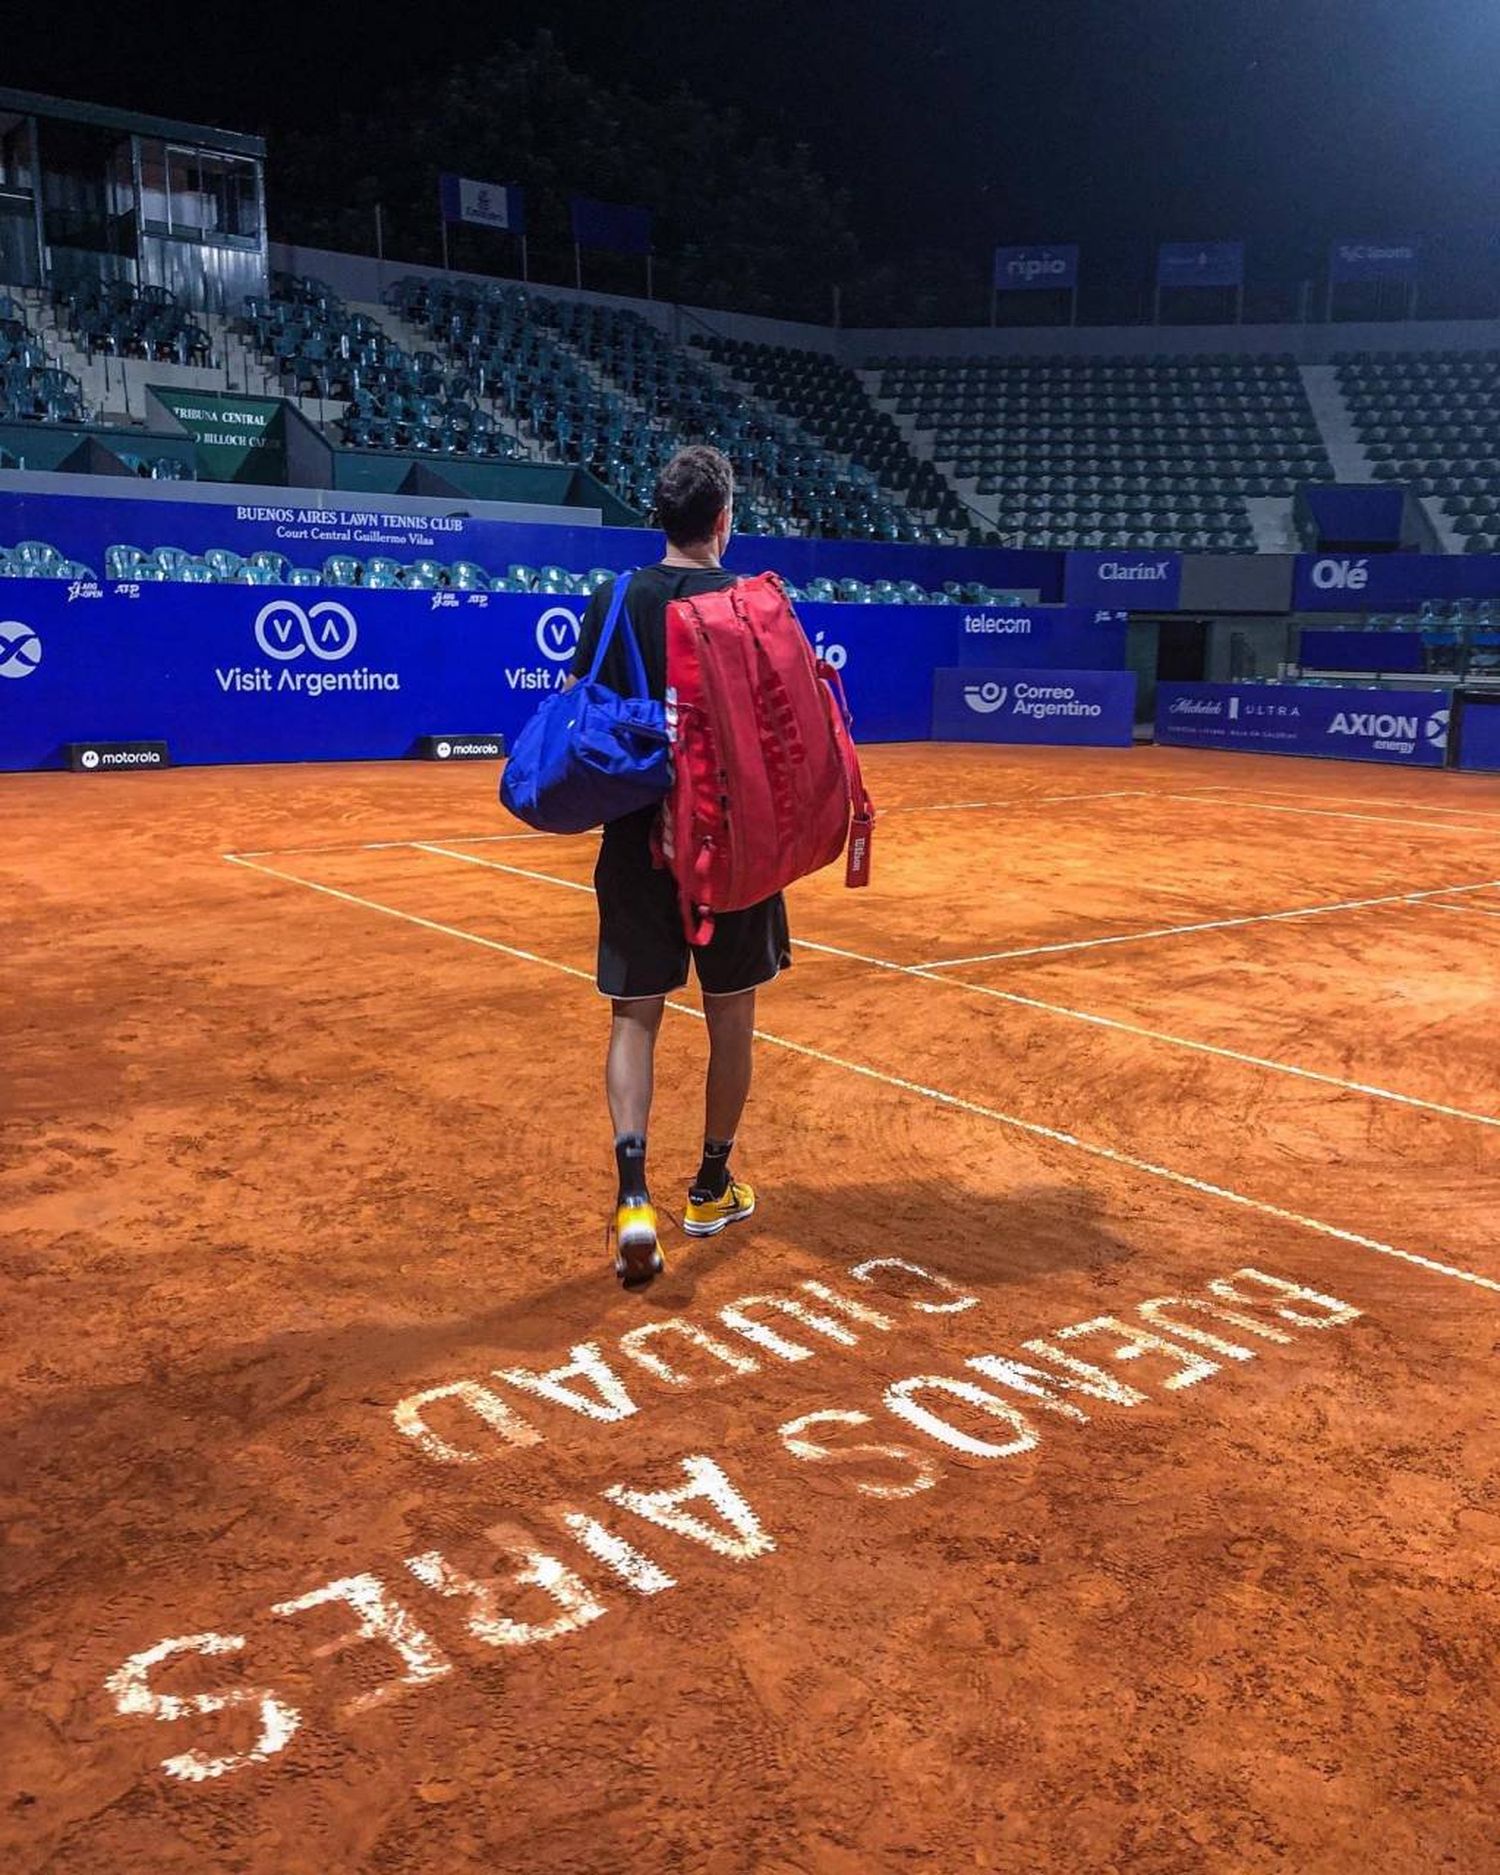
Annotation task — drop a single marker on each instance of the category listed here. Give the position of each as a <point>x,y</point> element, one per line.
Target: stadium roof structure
<point>137,123</point>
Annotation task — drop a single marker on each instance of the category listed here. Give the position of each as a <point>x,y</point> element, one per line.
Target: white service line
<point>1211,924</point>
<point>1330,813</point>
<point>1032,1128</point>
<point>1479,911</point>
<point>374,846</point>
<point>1031,800</point>
<point>927,975</point>
<point>1366,800</point>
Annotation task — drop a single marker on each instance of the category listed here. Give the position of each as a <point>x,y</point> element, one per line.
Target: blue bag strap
<point>639,687</point>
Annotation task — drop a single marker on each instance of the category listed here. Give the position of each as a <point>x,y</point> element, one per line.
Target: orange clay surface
<point>281,1167</point>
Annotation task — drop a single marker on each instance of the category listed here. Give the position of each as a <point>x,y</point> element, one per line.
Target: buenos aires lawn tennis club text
<point>424,1614</point>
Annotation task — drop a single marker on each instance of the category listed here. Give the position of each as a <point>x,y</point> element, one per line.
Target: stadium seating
<point>1131,452</point>
<point>126,321</point>
<point>32,389</point>
<point>830,404</point>
<point>1427,419</point>
<point>36,559</point>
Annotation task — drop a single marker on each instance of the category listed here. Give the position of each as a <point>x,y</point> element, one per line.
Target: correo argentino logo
<point>985,699</point>
<point>284,630</point>
<point>20,649</point>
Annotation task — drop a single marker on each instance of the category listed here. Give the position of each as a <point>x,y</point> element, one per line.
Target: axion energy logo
<point>20,649</point>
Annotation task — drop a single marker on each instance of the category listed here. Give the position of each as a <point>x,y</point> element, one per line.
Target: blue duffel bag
<point>590,755</point>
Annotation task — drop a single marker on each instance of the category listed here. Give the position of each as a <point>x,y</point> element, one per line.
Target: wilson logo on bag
<point>766,780</point>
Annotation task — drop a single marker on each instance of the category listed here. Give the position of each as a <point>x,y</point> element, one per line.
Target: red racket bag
<point>766,780</point>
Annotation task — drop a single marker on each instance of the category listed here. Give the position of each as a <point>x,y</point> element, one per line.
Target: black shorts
<point>643,950</point>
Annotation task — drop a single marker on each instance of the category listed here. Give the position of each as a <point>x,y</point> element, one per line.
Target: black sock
<point>713,1175</point>
<point>630,1161</point>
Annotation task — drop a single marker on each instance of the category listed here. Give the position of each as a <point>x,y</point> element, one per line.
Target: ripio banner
<point>1349,725</point>
<point>1036,269</point>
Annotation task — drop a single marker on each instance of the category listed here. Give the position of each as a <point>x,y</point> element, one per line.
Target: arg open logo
<point>285,631</point>
<point>985,699</point>
<point>20,649</point>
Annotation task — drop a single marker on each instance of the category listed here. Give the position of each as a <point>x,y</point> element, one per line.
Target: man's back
<point>651,591</point>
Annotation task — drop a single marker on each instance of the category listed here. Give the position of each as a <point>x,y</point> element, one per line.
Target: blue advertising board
<point>255,674</point>
<point>1081,708</point>
<point>1350,725</point>
<point>1361,651</point>
<point>81,527</point>
<point>1062,637</point>
<point>1390,582</point>
<point>1374,260</point>
<point>1200,263</point>
<point>1479,733</point>
<point>1033,269</point>
<point>1140,582</point>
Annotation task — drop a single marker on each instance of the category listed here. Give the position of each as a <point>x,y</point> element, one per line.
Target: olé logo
<point>20,649</point>
<point>557,633</point>
<point>444,750</point>
<point>834,656</point>
<point>985,699</point>
<point>90,758</point>
<point>1436,728</point>
<point>1341,575</point>
<point>284,631</point>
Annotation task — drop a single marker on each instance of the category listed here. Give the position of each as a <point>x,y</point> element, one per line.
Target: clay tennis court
<point>355,1519</point>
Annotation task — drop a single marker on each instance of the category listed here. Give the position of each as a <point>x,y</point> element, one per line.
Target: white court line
<point>1211,924</point>
<point>374,846</point>
<point>1479,911</point>
<point>1033,1128</point>
<point>928,975</point>
<point>1031,800</point>
<point>1329,813</point>
<point>1365,800</point>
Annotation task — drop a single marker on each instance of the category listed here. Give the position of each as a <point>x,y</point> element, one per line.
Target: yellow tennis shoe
<point>706,1217</point>
<point>638,1256</point>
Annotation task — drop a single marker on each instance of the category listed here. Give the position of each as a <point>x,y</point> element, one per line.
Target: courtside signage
<point>998,704</point>
<point>1374,260</point>
<point>459,748</point>
<point>113,758</point>
<point>1132,582</point>
<point>1350,725</point>
<point>1062,637</point>
<point>1479,733</point>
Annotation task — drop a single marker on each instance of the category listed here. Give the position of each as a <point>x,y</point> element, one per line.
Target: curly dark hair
<point>692,491</point>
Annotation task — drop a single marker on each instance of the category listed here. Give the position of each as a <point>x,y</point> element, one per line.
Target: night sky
<point>958,122</point>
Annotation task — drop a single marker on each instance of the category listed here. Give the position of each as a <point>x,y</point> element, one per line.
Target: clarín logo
<point>557,633</point>
<point>1134,569</point>
<point>20,649</point>
<point>985,699</point>
<point>285,632</point>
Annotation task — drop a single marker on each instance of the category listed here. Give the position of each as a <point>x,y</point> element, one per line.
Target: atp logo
<point>284,631</point>
<point>20,649</point>
<point>557,633</point>
<point>985,699</point>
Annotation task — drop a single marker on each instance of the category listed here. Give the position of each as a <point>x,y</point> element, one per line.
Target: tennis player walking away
<point>643,952</point>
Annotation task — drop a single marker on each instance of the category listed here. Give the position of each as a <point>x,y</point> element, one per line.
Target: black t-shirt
<point>651,591</point>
